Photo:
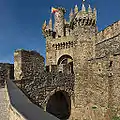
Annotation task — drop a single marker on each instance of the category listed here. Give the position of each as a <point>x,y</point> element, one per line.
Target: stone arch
<point>65,64</point>
<point>58,103</point>
<point>70,92</point>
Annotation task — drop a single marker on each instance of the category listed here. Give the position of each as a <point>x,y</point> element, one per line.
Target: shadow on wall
<point>6,73</point>
<point>59,105</point>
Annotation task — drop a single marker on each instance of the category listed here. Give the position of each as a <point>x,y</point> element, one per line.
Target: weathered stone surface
<point>96,72</point>
<point>80,61</point>
<point>27,64</point>
<point>4,113</point>
<point>108,46</point>
<point>83,63</point>
<point>40,89</point>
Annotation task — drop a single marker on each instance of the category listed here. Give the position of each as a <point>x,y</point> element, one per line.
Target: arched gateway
<point>65,64</point>
<point>59,104</point>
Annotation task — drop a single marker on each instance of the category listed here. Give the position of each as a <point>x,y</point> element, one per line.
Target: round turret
<point>59,22</point>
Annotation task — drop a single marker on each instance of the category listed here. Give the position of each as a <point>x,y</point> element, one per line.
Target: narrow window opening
<point>111,63</point>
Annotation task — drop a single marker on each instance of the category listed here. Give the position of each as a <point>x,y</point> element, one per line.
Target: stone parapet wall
<point>28,64</point>
<point>40,88</point>
<point>109,32</point>
<point>109,46</point>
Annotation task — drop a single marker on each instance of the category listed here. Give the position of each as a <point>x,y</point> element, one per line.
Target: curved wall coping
<point>22,107</point>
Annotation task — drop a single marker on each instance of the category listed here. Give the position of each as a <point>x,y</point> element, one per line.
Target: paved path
<point>3,105</point>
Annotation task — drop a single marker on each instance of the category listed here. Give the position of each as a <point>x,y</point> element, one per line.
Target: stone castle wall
<point>83,50</point>
<point>59,23</point>
<point>109,46</point>
<point>95,88</point>
<point>108,41</point>
<point>105,73</point>
<point>14,105</point>
<point>27,64</point>
<point>109,32</point>
<point>105,85</point>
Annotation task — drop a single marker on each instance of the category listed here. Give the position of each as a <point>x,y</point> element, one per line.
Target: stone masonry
<point>27,65</point>
<point>3,105</point>
<point>95,57</point>
<point>81,78</point>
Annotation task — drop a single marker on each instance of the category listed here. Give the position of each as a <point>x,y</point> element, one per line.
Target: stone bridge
<point>14,104</point>
<point>46,90</point>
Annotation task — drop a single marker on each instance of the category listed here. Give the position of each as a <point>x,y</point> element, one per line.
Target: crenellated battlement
<point>109,32</point>
<point>64,45</point>
<point>81,77</point>
<point>62,27</point>
<point>83,17</point>
<point>59,25</point>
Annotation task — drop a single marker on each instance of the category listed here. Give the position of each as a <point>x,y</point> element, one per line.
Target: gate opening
<point>65,64</point>
<point>59,105</point>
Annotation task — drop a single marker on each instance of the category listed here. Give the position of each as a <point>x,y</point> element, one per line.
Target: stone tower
<point>59,22</point>
<point>69,46</point>
<point>84,32</point>
<point>62,39</point>
<point>59,42</point>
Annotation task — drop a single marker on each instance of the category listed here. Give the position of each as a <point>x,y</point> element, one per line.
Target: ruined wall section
<point>27,64</point>
<point>109,32</point>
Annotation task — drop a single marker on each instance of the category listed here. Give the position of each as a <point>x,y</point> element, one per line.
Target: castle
<point>81,79</point>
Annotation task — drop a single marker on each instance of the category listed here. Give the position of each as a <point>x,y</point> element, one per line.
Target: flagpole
<point>51,13</point>
<point>51,16</point>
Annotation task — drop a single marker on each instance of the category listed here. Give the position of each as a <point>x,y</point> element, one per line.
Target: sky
<point>21,22</point>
